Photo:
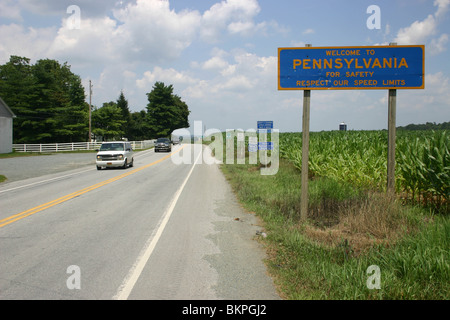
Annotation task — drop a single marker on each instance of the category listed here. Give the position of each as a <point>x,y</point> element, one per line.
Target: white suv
<point>115,154</point>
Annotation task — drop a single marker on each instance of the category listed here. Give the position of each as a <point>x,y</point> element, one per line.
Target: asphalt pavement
<point>157,231</point>
<point>20,168</point>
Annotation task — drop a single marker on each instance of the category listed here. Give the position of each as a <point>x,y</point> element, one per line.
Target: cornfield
<point>360,158</point>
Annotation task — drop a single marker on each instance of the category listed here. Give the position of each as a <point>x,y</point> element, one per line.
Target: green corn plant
<point>360,158</point>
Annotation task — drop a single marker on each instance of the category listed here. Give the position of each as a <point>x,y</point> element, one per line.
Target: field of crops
<point>360,158</point>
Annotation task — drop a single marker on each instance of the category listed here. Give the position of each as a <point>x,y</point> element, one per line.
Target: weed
<point>348,230</point>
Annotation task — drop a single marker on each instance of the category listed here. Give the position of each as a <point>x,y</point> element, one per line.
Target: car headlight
<point>99,157</point>
<point>120,157</point>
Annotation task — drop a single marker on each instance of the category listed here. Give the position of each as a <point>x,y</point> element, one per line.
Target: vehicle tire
<point>99,168</point>
<point>132,163</point>
<point>125,165</point>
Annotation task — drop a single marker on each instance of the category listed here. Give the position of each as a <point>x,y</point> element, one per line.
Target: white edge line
<point>133,275</point>
<point>44,181</point>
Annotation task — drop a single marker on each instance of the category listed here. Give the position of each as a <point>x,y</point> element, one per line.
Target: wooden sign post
<point>392,110</point>
<point>348,68</point>
<point>305,154</point>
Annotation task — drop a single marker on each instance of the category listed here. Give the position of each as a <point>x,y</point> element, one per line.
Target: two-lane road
<point>159,230</point>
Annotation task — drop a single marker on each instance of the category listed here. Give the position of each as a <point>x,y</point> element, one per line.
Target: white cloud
<point>149,30</point>
<point>10,9</point>
<point>438,85</point>
<point>237,84</point>
<point>197,91</point>
<point>215,63</point>
<point>25,42</point>
<point>246,82</point>
<point>421,32</point>
<point>429,105</point>
<point>95,42</point>
<point>439,45</point>
<point>168,76</point>
<point>443,6</point>
<point>148,34</point>
<point>298,44</point>
<point>418,32</point>
<point>236,16</point>
<point>241,27</point>
<point>228,71</point>
<point>146,31</point>
<point>88,8</point>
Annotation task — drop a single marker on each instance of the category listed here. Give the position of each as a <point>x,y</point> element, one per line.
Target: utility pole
<point>90,108</point>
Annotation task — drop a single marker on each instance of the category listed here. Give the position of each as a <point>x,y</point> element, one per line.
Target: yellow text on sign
<point>367,63</point>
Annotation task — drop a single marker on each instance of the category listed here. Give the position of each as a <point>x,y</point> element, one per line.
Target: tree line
<point>427,126</point>
<point>49,102</point>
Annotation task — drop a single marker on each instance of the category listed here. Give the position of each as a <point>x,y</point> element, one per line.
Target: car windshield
<point>162,140</point>
<point>112,147</point>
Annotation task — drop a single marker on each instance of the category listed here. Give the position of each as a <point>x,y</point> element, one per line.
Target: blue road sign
<point>265,145</point>
<point>373,67</point>
<point>265,124</point>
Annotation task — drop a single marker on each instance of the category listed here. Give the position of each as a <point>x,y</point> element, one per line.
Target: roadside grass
<point>348,230</point>
<point>3,178</point>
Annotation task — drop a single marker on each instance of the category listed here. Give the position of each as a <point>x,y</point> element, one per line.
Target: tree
<point>182,110</point>
<point>107,122</point>
<point>18,88</point>
<point>47,98</point>
<point>139,129</point>
<point>427,126</point>
<point>122,104</point>
<point>61,105</point>
<point>166,112</point>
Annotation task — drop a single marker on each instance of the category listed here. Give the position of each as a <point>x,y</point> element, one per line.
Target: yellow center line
<point>72,195</point>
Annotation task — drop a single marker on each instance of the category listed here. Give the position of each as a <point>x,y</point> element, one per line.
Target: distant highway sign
<point>265,145</point>
<point>265,124</point>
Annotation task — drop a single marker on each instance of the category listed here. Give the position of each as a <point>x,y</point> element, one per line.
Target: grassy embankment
<point>349,228</point>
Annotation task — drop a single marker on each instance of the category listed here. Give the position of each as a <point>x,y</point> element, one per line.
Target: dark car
<point>163,144</point>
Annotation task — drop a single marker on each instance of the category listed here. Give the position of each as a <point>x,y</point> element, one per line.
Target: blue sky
<point>221,56</point>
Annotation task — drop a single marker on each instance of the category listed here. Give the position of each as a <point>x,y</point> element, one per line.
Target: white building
<point>6,127</point>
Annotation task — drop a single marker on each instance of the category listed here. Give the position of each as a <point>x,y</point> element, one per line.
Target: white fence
<point>73,146</point>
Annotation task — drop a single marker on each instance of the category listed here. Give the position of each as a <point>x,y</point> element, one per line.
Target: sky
<point>222,56</point>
